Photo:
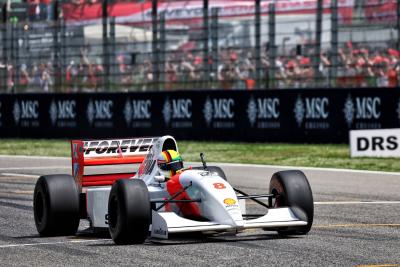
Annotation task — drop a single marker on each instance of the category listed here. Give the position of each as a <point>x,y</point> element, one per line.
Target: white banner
<point>375,143</point>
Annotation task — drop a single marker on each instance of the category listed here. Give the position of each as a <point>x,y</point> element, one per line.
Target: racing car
<point>137,205</point>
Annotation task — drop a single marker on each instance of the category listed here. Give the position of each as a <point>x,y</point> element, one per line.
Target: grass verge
<point>328,156</point>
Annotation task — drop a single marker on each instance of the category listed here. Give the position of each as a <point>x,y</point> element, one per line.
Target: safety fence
<point>298,115</point>
<point>109,46</point>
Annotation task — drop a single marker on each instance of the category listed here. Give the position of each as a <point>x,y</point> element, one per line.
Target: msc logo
<point>262,108</point>
<point>62,110</point>
<point>311,108</point>
<point>137,110</point>
<point>317,108</point>
<point>367,108</point>
<point>221,108</point>
<point>177,109</point>
<point>99,110</point>
<point>26,110</point>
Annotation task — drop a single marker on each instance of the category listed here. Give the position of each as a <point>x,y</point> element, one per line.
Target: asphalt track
<point>357,222</point>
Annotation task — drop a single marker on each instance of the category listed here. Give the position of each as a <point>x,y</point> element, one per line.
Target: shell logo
<point>229,201</point>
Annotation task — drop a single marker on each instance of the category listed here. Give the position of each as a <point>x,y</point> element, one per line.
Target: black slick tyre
<point>129,212</point>
<point>293,190</point>
<point>56,205</point>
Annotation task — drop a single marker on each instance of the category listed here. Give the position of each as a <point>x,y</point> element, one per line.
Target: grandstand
<point>97,46</point>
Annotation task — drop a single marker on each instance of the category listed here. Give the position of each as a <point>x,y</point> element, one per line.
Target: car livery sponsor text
<point>114,147</point>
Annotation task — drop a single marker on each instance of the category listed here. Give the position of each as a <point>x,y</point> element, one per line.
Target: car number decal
<point>219,186</point>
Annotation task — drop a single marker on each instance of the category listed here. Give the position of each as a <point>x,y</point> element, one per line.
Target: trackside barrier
<point>308,115</point>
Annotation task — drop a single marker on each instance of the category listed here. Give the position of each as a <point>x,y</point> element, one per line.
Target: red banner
<point>193,10</point>
<point>381,11</point>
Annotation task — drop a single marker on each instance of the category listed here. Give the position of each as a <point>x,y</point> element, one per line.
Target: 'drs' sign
<point>375,143</point>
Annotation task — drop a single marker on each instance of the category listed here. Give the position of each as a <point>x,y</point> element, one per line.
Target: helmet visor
<point>172,166</point>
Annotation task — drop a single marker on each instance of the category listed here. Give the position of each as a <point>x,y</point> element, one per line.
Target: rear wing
<point>107,152</point>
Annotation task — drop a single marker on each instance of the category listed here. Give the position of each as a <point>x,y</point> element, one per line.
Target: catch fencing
<point>120,46</point>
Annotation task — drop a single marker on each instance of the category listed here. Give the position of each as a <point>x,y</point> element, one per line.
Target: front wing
<point>165,223</point>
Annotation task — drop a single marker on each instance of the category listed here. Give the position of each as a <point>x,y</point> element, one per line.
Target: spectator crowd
<point>356,66</point>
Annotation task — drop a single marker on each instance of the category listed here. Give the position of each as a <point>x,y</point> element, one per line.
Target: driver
<point>169,163</point>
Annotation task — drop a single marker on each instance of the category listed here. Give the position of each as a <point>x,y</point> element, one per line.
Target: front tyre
<point>129,212</point>
<point>56,205</point>
<point>293,190</point>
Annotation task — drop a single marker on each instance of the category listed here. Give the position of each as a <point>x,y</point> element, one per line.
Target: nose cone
<point>218,199</point>
<point>231,205</point>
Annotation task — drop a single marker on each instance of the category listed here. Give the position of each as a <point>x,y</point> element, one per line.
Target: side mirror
<point>159,178</point>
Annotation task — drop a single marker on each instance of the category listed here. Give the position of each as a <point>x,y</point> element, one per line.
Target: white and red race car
<point>136,205</point>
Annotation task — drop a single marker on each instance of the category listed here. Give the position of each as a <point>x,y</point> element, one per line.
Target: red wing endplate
<point>106,152</point>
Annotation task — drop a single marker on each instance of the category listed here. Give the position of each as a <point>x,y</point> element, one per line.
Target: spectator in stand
<point>122,68</point>
<point>394,67</point>
<point>72,77</point>
<point>197,73</point>
<point>380,71</point>
<point>229,72</point>
<point>148,75</point>
<point>186,71</point>
<point>98,71</point>
<point>45,78</point>
<point>306,73</point>
<point>36,77</point>
<point>361,72</point>
<point>324,67</point>
<point>292,74</point>
<point>171,74</point>
<point>138,77</point>
<point>24,78</point>
<point>10,78</point>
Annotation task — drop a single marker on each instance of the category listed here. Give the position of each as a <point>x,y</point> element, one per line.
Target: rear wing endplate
<point>107,152</point>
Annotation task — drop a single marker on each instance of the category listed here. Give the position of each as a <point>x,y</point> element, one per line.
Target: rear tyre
<point>56,205</point>
<point>294,191</point>
<point>129,212</point>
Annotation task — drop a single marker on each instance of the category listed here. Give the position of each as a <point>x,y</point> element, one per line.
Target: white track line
<point>237,165</point>
<point>355,202</point>
<point>37,157</point>
<point>303,168</point>
<point>35,168</point>
<point>361,202</point>
<point>9,174</point>
<point>53,243</point>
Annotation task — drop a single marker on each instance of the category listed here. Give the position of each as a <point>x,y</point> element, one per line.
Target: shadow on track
<point>181,239</point>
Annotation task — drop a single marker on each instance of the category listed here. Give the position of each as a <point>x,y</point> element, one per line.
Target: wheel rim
<point>276,203</point>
